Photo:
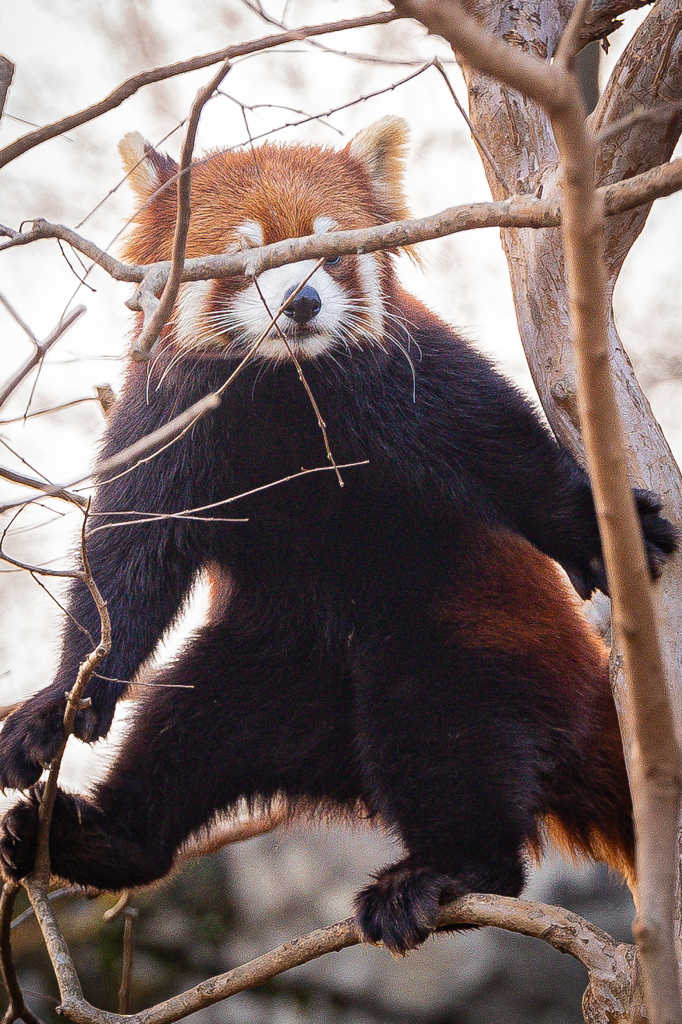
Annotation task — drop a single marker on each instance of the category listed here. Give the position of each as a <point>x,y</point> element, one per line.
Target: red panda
<point>404,643</point>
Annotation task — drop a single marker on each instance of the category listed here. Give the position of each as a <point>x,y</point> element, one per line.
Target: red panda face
<point>246,199</point>
<point>340,303</point>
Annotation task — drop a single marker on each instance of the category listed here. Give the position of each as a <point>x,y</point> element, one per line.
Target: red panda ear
<point>147,170</point>
<point>381,149</point>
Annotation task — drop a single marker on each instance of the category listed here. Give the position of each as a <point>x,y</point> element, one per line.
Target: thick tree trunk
<point>637,131</point>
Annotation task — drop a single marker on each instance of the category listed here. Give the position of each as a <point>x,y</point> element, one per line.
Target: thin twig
<point>41,870</point>
<point>159,318</point>
<point>154,517</point>
<point>144,78</point>
<point>299,369</point>
<point>129,929</point>
<point>661,112</point>
<point>119,906</point>
<point>39,485</point>
<point>475,134</point>
<point>41,348</point>
<point>51,410</point>
<point>19,319</point>
<point>57,894</point>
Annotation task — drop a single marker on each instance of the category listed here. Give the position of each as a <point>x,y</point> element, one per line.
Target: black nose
<point>305,306</point>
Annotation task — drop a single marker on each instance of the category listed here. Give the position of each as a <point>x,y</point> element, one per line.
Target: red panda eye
<point>332,261</point>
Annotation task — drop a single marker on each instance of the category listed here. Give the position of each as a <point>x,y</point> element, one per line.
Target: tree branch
<point>40,485</point>
<point>40,876</point>
<point>16,1009</point>
<point>159,318</point>
<point>41,348</point>
<point>144,78</point>
<point>516,211</point>
<point>6,76</point>
<point>609,965</point>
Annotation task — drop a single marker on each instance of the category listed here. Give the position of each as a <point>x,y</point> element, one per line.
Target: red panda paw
<point>18,836</point>
<point>401,907</point>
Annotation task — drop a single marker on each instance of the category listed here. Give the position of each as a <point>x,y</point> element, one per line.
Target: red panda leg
<point>484,729</point>
<point>256,717</point>
<point>454,768</point>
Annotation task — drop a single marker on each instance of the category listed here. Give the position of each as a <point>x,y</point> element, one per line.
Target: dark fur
<point>343,669</point>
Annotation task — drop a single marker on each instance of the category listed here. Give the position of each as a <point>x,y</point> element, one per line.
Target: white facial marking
<point>371,288</point>
<point>191,327</point>
<point>323,224</point>
<point>249,315</point>
<point>251,233</point>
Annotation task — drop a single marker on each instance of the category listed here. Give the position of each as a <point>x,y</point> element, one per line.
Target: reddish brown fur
<point>489,608</point>
<point>282,188</point>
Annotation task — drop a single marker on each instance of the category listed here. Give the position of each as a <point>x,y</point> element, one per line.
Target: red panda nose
<point>305,306</point>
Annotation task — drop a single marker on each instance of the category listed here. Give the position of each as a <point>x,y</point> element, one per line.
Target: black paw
<point>401,908</point>
<point>660,541</point>
<point>33,735</point>
<point>18,836</point>
<point>660,536</point>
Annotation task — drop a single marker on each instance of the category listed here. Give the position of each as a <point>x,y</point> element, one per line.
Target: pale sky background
<point>69,53</point>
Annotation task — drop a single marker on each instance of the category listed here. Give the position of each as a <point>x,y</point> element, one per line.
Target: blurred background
<point>233,906</point>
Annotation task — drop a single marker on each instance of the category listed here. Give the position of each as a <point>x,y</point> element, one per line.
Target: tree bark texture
<point>637,128</point>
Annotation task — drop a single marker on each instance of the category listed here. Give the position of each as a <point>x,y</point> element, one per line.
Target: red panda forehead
<point>288,192</point>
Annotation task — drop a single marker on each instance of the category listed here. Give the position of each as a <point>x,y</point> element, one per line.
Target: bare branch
<point>475,134</point>
<point>17,1009</point>
<point>57,949</point>
<point>129,929</point>
<point>56,894</point>
<point>567,932</point>
<point>144,78</point>
<point>517,211</point>
<point>41,348</point>
<point>118,908</point>
<point>6,76</point>
<point>164,308</point>
<point>40,485</point>
<point>53,409</point>
<point>18,319</point>
<point>40,875</point>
